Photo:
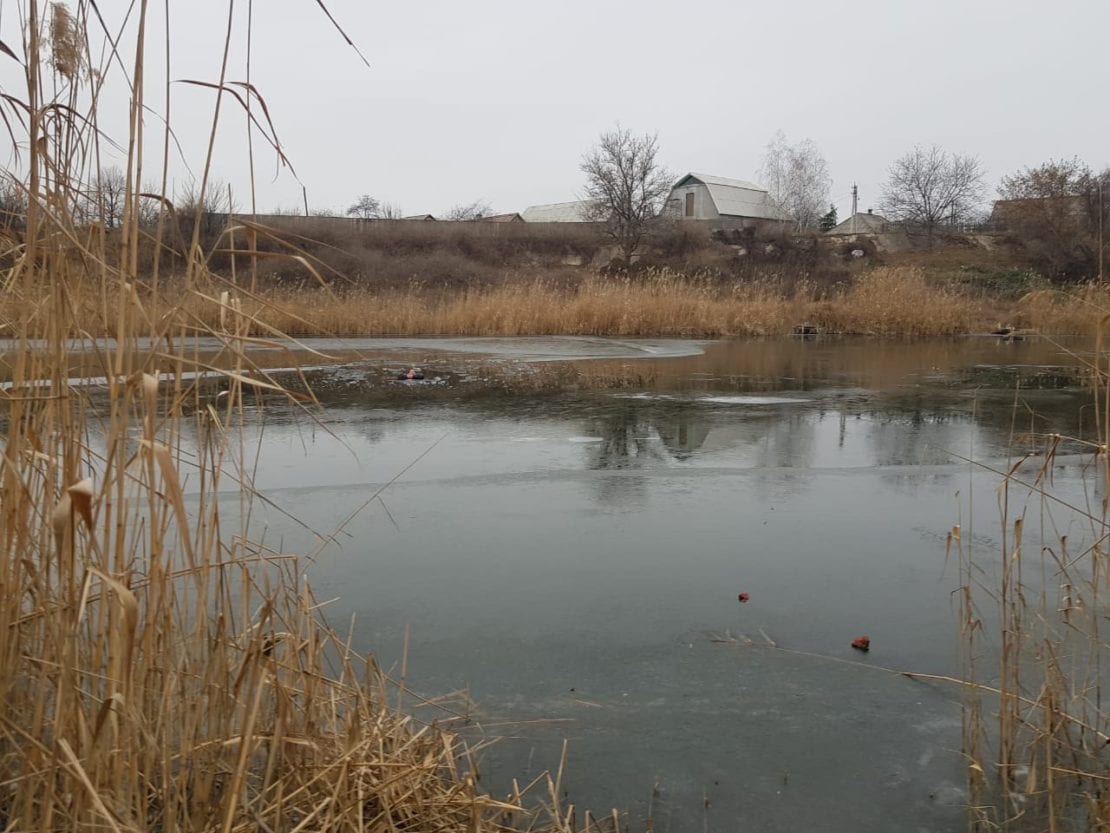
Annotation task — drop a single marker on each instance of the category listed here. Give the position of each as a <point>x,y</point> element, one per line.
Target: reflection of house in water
<point>639,434</point>
<point>643,435</point>
<point>769,436</point>
<point>682,435</point>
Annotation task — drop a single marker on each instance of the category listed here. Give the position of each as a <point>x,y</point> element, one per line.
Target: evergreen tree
<point>828,221</point>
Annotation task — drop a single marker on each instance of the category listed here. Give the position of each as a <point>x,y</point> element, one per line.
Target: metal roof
<point>559,212</point>
<point>706,179</point>
<point>864,224</point>
<point>736,197</point>
<point>500,218</point>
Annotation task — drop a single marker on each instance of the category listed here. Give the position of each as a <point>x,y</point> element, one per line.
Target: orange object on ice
<point>743,597</point>
<point>862,643</point>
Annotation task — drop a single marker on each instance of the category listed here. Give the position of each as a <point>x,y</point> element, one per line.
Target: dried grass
<point>1035,728</point>
<point>159,670</point>
<point>890,302</point>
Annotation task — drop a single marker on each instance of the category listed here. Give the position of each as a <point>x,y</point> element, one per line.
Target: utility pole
<point>855,208</point>
<point>1101,223</point>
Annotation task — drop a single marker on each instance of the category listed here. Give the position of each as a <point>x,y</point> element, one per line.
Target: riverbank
<point>173,552</point>
<point>887,301</point>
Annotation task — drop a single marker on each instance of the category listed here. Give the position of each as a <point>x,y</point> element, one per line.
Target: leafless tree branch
<point>797,178</point>
<point>930,187</point>
<point>625,186</point>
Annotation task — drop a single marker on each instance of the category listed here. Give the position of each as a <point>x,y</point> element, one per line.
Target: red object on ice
<point>862,643</point>
<point>743,597</point>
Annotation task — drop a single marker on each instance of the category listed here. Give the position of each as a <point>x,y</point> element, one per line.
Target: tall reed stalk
<point>159,670</point>
<point>1035,728</point>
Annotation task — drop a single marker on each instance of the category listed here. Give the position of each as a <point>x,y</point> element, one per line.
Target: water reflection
<point>850,403</point>
<point>683,434</point>
<point>644,433</point>
<point>801,365</point>
<point>625,439</point>
<point>565,558</point>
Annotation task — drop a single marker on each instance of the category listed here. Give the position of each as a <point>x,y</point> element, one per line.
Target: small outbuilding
<point>580,211</point>
<point>419,217</point>
<point>861,223</point>
<point>734,203</point>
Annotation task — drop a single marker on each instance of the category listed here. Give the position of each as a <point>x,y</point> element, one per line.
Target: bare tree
<point>150,205</point>
<point>1063,178</point>
<point>930,187</point>
<point>13,201</point>
<point>797,178</point>
<point>625,186</point>
<point>108,198</point>
<point>390,211</point>
<point>469,211</point>
<point>365,208</point>
<point>1058,212</point>
<point>213,208</point>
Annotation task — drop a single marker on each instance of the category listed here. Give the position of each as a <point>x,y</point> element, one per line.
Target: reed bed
<point>162,670</point>
<point>887,302</point>
<point>159,668</point>
<point>1035,726</point>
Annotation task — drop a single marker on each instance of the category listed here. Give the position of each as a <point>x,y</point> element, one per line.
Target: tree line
<point>104,200</point>
<point>1057,210</point>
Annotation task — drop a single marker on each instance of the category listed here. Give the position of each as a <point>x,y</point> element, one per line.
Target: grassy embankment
<point>409,278</point>
<point>159,669</point>
<point>319,275</point>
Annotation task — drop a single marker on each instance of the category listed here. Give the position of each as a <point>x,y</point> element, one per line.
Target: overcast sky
<point>498,99</point>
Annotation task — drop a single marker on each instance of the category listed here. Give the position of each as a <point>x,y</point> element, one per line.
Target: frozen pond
<point>572,560</point>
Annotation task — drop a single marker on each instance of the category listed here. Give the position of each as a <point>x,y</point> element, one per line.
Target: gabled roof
<point>419,217</point>
<point>559,212</point>
<point>706,179</point>
<point>736,197</point>
<point>868,223</point>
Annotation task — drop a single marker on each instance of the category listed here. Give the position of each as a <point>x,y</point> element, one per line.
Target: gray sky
<point>498,100</point>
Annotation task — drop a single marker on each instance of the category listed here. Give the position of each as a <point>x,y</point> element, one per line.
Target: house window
<point>690,204</point>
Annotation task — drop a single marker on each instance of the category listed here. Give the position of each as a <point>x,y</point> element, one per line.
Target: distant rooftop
<point>861,223</point>
<point>500,218</point>
<point>559,212</point>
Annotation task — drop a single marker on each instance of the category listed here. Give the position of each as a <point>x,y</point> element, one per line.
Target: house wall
<point>704,208</point>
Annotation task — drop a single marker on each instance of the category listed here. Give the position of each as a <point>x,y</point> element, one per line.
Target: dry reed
<point>1035,729</point>
<point>888,302</point>
<point>159,670</point>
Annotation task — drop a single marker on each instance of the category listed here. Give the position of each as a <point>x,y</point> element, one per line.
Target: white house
<point>732,202</point>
